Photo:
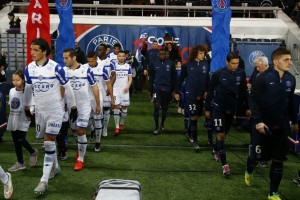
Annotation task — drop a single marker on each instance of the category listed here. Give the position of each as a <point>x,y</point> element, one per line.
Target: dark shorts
<point>273,145</point>
<point>222,120</point>
<point>64,128</point>
<point>195,105</point>
<point>161,97</point>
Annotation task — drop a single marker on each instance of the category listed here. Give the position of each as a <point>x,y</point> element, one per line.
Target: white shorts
<point>49,123</point>
<point>121,98</point>
<point>84,112</point>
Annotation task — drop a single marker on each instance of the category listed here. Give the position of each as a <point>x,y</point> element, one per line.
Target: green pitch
<point>165,165</point>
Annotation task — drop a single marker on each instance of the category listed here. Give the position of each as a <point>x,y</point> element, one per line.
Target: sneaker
<point>122,128</point>
<point>216,156</point>
<point>162,129</point>
<point>76,156</point>
<point>117,131</point>
<point>8,187</point>
<point>196,146</point>
<point>63,156</point>
<point>104,133</point>
<point>97,147</point>
<point>16,167</point>
<point>226,170</point>
<point>274,196</point>
<point>248,179</point>
<point>33,158</point>
<point>78,165</point>
<point>41,188</point>
<point>156,131</point>
<point>179,110</point>
<point>54,172</point>
<point>297,181</point>
<point>263,163</point>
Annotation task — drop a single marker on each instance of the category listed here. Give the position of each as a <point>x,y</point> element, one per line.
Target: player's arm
<point>129,81</point>
<point>93,83</point>
<point>110,92</point>
<point>113,72</point>
<point>182,77</point>
<point>28,94</point>
<point>292,110</point>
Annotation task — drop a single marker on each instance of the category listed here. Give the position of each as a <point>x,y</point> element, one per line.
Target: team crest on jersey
<point>63,4</point>
<point>15,103</point>
<point>42,86</point>
<point>288,85</point>
<point>74,77</point>
<point>40,77</point>
<point>238,80</point>
<point>254,55</point>
<point>168,67</point>
<point>221,6</point>
<point>109,40</point>
<point>204,69</point>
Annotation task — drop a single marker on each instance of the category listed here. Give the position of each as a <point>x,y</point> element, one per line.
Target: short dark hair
<point>232,55</point>
<point>127,52</point>
<point>44,46</point>
<point>121,52</point>
<point>91,54</point>
<point>117,45</point>
<point>103,45</point>
<point>279,52</point>
<point>11,14</point>
<point>195,50</point>
<point>71,51</point>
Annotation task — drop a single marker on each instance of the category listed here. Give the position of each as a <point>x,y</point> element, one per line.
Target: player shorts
<point>161,97</point>
<point>121,98</point>
<point>84,112</point>
<point>195,105</point>
<point>273,145</point>
<point>222,120</point>
<point>49,123</point>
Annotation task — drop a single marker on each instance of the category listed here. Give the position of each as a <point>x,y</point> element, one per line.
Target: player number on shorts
<point>192,107</point>
<point>258,149</point>
<point>218,122</point>
<point>38,128</point>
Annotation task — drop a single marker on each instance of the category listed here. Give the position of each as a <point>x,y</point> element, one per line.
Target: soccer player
<point>163,78</point>
<point>113,56</point>
<point>7,183</point>
<point>196,74</point>
<point>102,78</point>
<point>44,78</point>
<point>227,92</point>
<point>272,106</point>
<point>121,91</point>
<point>105,61</point>
<point>81,78</point>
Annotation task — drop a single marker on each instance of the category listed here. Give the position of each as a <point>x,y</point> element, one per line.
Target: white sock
<point>82,145</point>
<point>98,135</point>
<point>123,115</point>
<point>92,127</point>
<point>98,128</point>
<point>106,119</point>
<point>117,117</point>
<point>3,176</point>
<point>50,149</point>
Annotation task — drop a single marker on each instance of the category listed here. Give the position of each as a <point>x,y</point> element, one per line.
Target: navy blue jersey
<point>227,90</point>
<point>163,75</point>
<point>272,99</point>
<point>152,56</point>
<point>196,75</point>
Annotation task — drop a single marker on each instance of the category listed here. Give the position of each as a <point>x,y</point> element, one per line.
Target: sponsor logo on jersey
<point>53,124</point>
<point>40,77</point>
<point>254,55</point>
<point>238,80</point>
<point>15,103</point>
<point>82,120</point>
<point>42,86</point>
<point>76,85</point>
<point>107,39</point>
<point>288,85</point>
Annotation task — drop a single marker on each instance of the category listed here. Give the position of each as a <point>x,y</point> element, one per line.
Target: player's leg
<point>209,127</point>
<point>117,111</point>
<point>98,130</point>
<point>156,105</point>
<point>19,165</point>
<point>125,102</point>
<point>106,114</point>
<point>7,183</point>
<point>165,100</point>
<point>33,152</point>
<point>61,141</point>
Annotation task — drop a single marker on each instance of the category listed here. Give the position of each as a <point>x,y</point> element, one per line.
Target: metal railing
<point>158,10</point>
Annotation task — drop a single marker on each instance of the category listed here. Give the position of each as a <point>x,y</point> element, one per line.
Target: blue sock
<point>222,151</point>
